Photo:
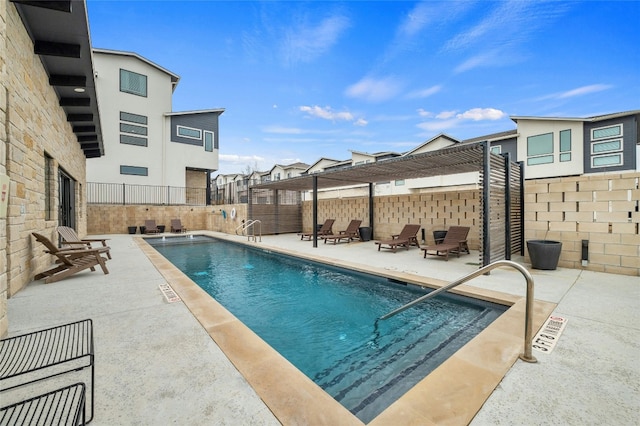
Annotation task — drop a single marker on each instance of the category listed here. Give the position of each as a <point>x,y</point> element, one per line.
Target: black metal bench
<point>64,406</point>
<point>47,353</point>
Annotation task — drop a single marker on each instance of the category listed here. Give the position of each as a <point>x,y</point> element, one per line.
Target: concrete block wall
<point>433,211</point>
<point>4,321</point>
<point>600,208</point>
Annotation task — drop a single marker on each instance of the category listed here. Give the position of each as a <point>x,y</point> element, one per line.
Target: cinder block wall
<point>433,211</point>
<point>115,219</point>
<point>602,209</point>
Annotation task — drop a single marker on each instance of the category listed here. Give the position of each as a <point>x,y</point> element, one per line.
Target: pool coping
<point>452,394</point>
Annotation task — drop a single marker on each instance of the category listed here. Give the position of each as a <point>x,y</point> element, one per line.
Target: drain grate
<point>549,334</point>
<point>168,293</point>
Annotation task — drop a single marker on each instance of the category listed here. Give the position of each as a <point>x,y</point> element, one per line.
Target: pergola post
<point>371,207</point>
<point>486,204</point>
<point>507,206</point>
<point>315,211</point>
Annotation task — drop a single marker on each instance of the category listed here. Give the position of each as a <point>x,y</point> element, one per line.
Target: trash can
<point>439,235</point>
<point>161,228</point>
<point>132,229</point>
<point>365,233</point>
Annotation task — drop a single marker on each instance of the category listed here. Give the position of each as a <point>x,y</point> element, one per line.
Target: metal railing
<point>251,225</point>
<point>527,355</point>
<point>128,194</point>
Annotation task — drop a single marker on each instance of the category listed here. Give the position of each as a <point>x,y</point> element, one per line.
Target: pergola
<point>501,187</point>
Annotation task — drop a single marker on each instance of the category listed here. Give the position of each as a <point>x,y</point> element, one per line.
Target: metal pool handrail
<point>251,224</point>
<point>528,326</point>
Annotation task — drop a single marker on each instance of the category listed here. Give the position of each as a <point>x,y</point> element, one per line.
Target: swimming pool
<point>332,337</point>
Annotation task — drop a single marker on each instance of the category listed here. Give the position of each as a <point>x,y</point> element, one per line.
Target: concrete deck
<point>157,364</point>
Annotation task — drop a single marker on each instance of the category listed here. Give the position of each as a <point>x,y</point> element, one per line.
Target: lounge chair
<point>71,240</point>
<point>150,227</point>
<point>454,242</point>
<point>351,233</point>
<point>406,237</point>
<point>69,261</point>
<point>325,230</point>
<point>176,226</point>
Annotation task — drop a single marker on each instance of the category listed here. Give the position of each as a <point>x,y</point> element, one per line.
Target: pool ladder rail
<point>527,355</point>
<point>248,228</point>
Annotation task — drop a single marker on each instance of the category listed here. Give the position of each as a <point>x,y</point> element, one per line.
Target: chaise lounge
<point>351,233</point>
<point>150,227</point>
<point>71,239</point>
<point>406,237</point>
<point>326,229</point>
<point>69,261</point>
<point>176,226</point>
<point>454,242</point>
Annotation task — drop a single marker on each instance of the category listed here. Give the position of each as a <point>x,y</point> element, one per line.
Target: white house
<point>146,143</point>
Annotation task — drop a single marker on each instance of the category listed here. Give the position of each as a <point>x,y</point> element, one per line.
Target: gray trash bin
<point>365,233</point>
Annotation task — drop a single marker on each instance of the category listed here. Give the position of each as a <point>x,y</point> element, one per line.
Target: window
<point>606,146</point>
<point>189,132</point>
<point>400,182</point>
<point>134,83</point>
<point>496,149</point>
<point>132,128</point>
<point>208,141</point>
<point>48,187</point>
<point>606,132</point>
<point>565,145</point>
<point>133,140</point>
<point>127,129</point>
<point>133,170</point>
<point>540,149</point>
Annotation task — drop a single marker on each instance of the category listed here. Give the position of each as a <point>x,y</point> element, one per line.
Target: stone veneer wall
<point>602,209</point>
<point>31,123</point>
<point>434,211</point>
<point>115,219</point>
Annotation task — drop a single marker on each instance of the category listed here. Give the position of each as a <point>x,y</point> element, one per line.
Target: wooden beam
<point>88,138</point>
<point>75,102</point>
<point>84,129</point>
<point>80,117</point>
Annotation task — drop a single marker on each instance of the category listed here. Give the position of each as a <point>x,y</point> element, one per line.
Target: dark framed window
<point>134,170</point>
<point>134,83</point>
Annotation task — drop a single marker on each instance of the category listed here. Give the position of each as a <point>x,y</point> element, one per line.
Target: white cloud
<point>584,90</point>
<point>450,119</point>
<point>423,113</point>
<point>425,93</point>
<point>482,59</point>
<point>326,113</point>
<point>374,90</point>
<point>444,115</point>
<point>360,122</point>
<point>306,41</point>
<point>479,114</point>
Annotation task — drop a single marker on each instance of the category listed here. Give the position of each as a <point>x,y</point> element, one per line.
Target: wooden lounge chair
<point>176,226</point>
<point>325,230</point>
<point>454,242</point>
<point>150,227</point>
<point>69,261</point>
<point>406,237</point>
<point>351,233</point>
<point>71,240</point>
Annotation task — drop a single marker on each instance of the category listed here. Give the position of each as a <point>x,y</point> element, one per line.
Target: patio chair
<point>69,261</point>
<point>326,229</point>
<point>150,227</point>
<point>454,242</point>
<point>176,226</point>
<point>351,233</point>
<point>406,237</point>
<point>71,240</point>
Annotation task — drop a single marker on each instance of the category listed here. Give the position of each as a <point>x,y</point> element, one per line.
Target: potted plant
<point>544,254</point>
<point>132,229</point>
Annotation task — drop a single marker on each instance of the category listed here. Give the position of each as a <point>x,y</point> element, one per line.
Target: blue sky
<point>305,80</point>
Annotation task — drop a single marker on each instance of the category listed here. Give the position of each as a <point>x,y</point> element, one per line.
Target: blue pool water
<point>323,319</point>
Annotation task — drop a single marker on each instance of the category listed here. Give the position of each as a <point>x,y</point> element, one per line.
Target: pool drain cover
<point>549,334</point>
<point>168,293</point>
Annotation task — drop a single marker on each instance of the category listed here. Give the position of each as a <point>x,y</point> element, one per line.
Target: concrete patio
<point>156,364</point>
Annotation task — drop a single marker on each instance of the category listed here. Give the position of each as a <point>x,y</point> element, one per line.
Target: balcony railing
<point>127,194</point>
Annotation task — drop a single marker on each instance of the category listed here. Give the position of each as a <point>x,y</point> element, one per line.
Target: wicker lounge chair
<point>351,233</point>
<point>71,240</point>
<point>406,237</point>
<point>454,242</point>
<point>325,230</point>
<point>176,226</point>
<point>150,227</point>
<point>69,261</point>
